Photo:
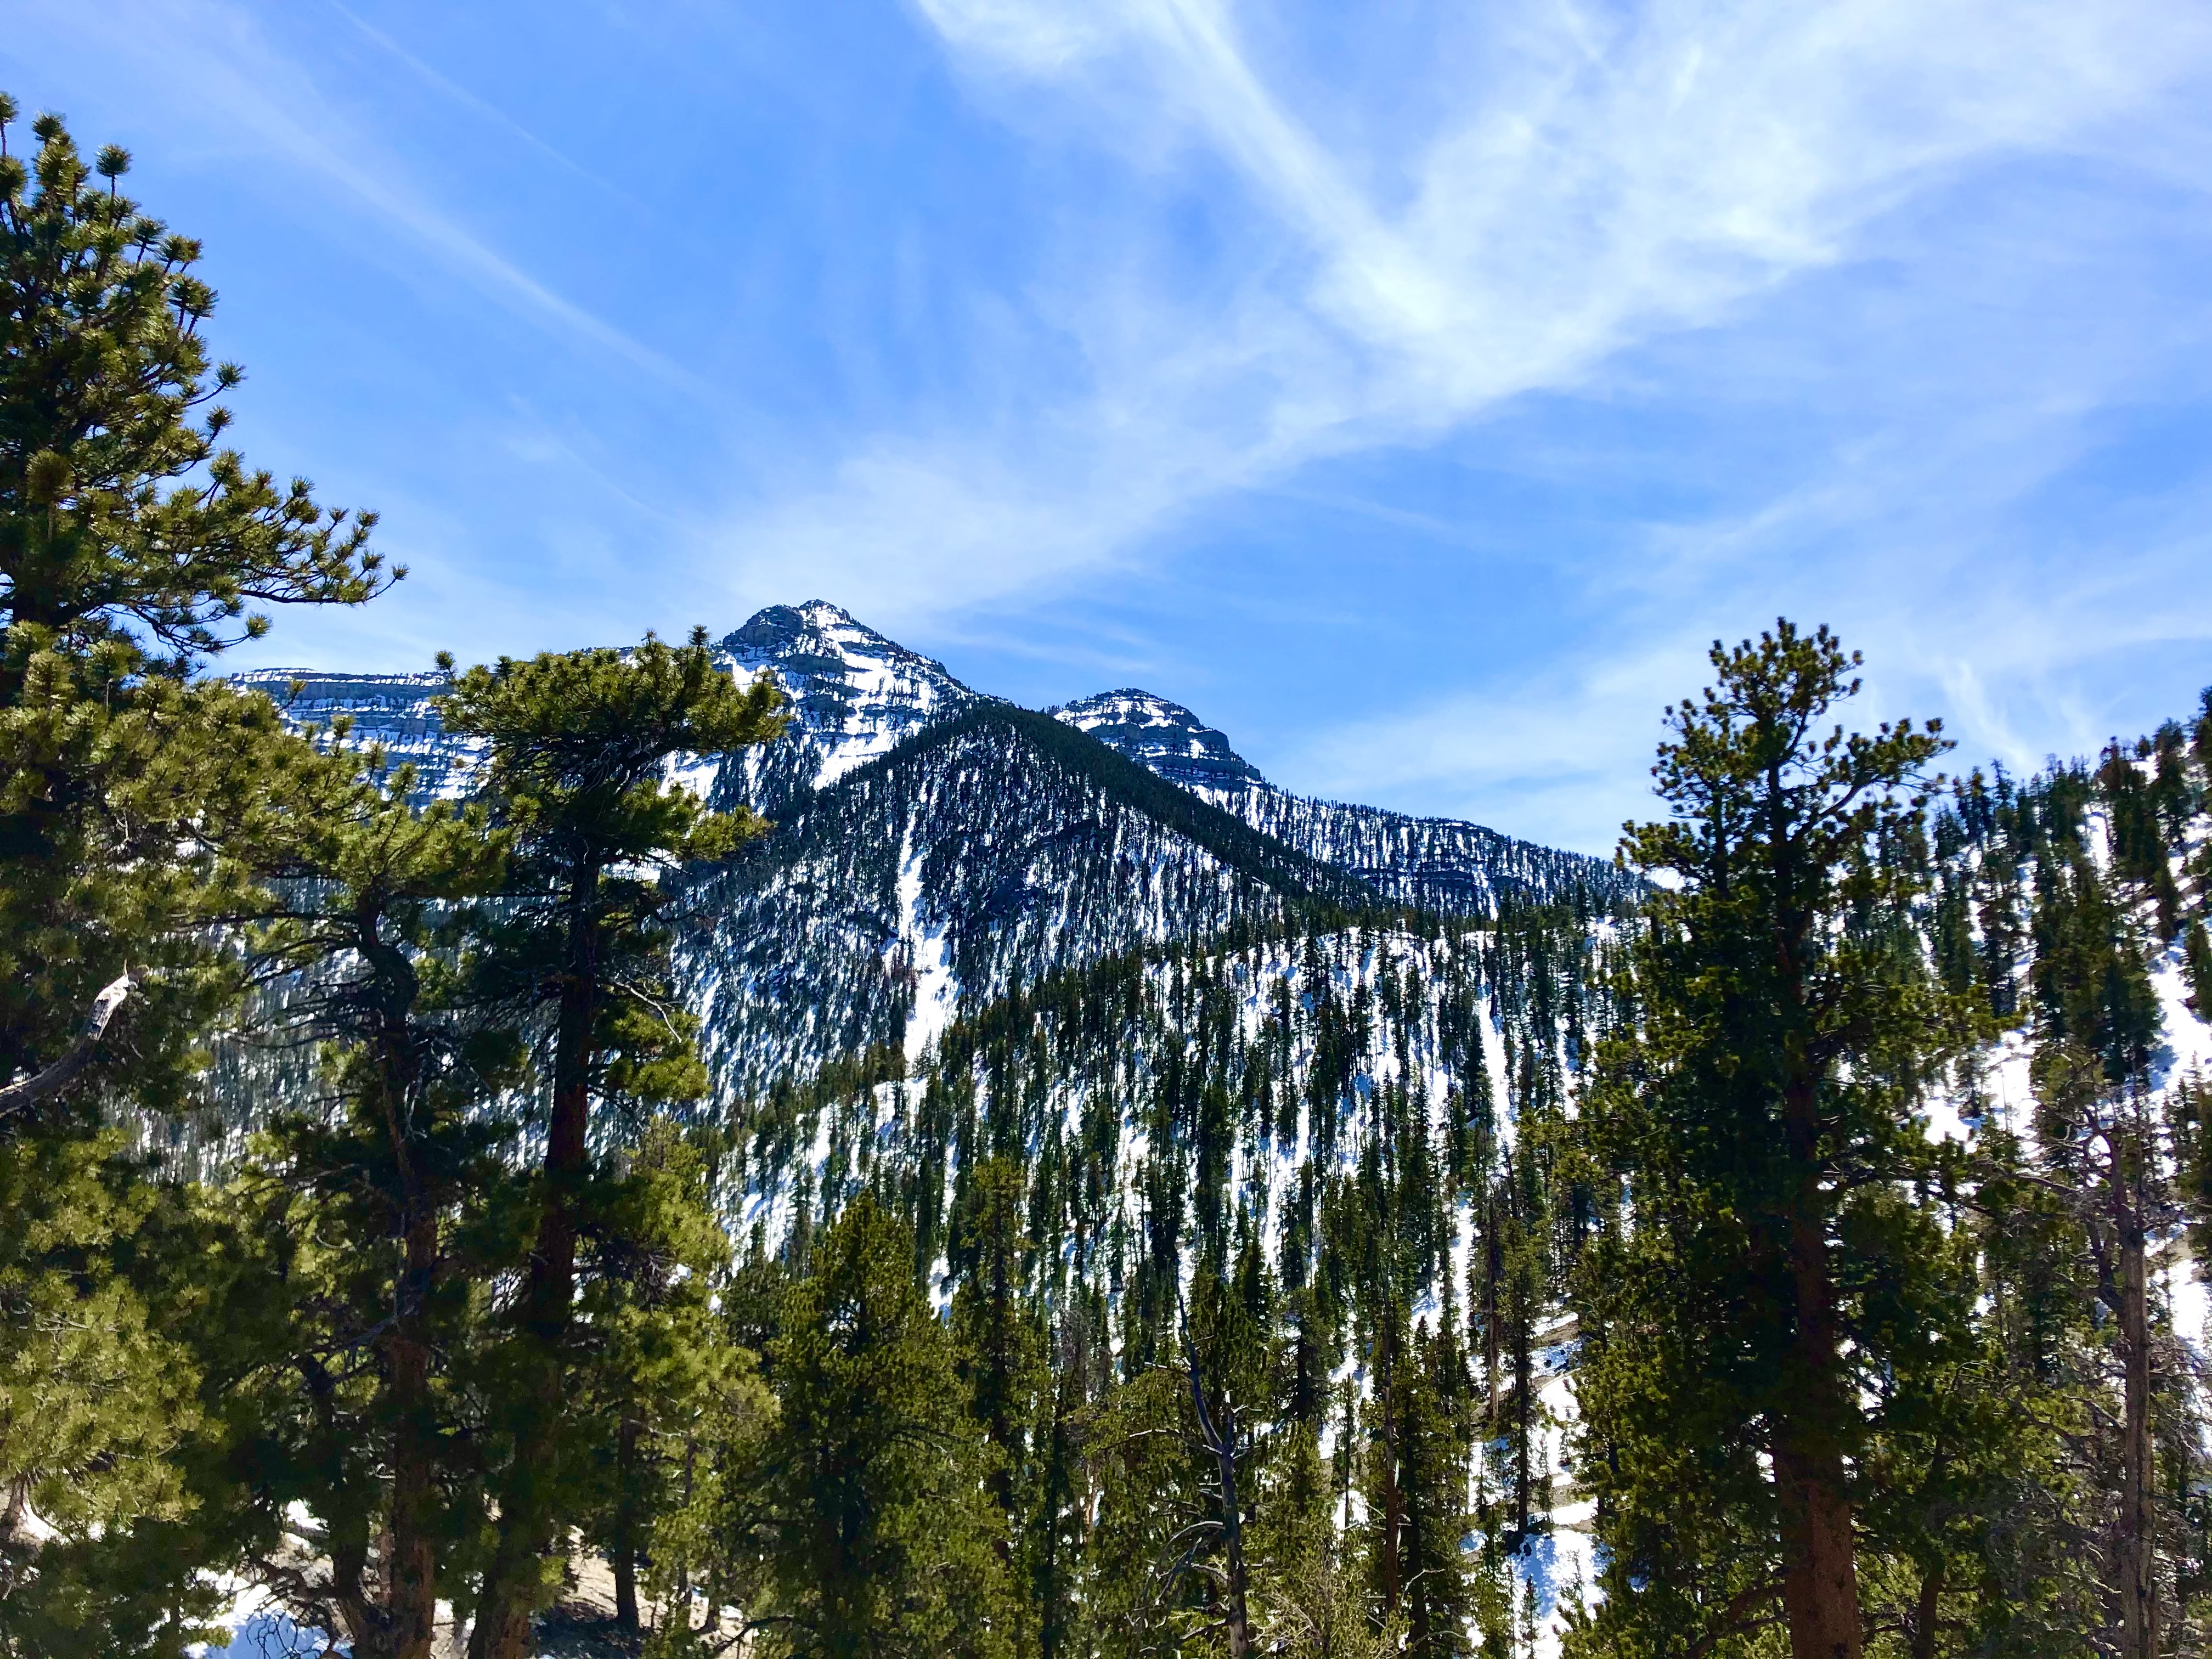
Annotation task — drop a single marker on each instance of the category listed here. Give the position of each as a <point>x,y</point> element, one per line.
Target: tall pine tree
<point>1758,1115</point>
<point>579,745</point>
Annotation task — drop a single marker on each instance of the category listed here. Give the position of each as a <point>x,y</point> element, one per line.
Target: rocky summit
<point>1163,736</point>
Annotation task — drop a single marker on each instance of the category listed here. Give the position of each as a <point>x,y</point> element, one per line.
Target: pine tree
<point>359,1227</point>
<point>999,1344</point>
<point>2197,955</point>
<point>133,547</point>
<point>2106,1146</point>
<point>1765,1103</point>
<point>865,1510</point>
<point>1059,1560</point>
<point>662,1364</point>
<point>579,744</point>
<point>1148,1492</point>
<point>1433,1478</point>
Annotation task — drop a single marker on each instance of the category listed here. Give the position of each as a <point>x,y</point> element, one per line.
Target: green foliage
<point>664,1374</point>
<point>361,1234</point>
<point>868,1511</point>
<point>1258,1251</point>
<point>1000,1341</point>
<point>96,1395</point>
<point>1755,1293</point>
<point>2197,953</point>
<point>580,741</point>
<point>1230,839</point>
<point>120,518</point>
<point>135,815</point>
<point>579,744</point>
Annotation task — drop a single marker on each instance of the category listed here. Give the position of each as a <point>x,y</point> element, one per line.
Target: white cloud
<point>1579,184</point>
<point>1560,759</point>
<point>1548,200</point>
<point>2022,652</point>
<point>1036,36</point>
<point>1599,180</point>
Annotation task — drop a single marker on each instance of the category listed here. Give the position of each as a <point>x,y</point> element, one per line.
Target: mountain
<point>855,695</point>
<point>391,709</point>
<point>1171,1061</point>
<point>1162,737</point>
<point>937,847</point>
<point>983,854</point>
<point>1444,865</point>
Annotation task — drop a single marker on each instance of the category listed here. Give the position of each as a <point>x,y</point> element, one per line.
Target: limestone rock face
<point>854,694</point>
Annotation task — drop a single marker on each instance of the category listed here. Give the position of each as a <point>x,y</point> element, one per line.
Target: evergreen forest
<point>1782,1245</point>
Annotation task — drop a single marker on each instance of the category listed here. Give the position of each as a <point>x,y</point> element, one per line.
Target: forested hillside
<point>1325,1149</point>
<point>1441,864</point>
<point>1347,1182</point>
<point>988,850</point>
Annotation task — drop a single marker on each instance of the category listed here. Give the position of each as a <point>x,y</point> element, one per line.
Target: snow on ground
<point>936,991</point>
<point>888,692</point>
<point>1558,1573</point>
<point>2183,1055</point>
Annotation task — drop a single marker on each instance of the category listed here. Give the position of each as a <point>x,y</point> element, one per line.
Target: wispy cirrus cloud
<point>216,66</point>
<point>1413,256</point>
<point>1590,184</point>
<point>1577,334</point>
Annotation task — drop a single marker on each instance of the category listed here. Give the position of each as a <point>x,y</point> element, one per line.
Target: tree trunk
<point>51,1081</point>
<point>1524,1428</point>
<point>625,1539</point>
<point>526,1519</point>
<point>1394,1508</point>
<point>1926,1607</point>
<point>1223,1445</point>
<point>2138,1542</point>
<point>1493,1265</point>
<point>1343,1453</point>
<point>1819,1583</point>
<point>412,1569</point>
<point>411,1572</point>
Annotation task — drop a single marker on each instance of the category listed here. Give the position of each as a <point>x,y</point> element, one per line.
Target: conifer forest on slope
<point>752,1147</point>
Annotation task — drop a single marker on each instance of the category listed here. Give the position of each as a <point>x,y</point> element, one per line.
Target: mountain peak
<point>853,693</point>
<point>1162,736</point>
<point>776,628</point>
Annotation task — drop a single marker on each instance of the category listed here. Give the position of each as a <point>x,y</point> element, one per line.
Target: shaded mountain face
<point>985,852</point>
<point>1444,865</point>
<point>935,846</point>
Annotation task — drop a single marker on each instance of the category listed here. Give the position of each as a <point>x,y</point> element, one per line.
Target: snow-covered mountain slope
<point>1444,865</point>
<point>1166,1110</point>
<point>853,696</point>
<point>985,853</point>
<point>934,843</point>
<point>391,709</point>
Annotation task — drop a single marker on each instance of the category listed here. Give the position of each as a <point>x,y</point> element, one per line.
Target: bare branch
<point>45,1085</point>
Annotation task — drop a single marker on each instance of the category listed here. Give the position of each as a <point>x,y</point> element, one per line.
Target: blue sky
<point>1411,389</point>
